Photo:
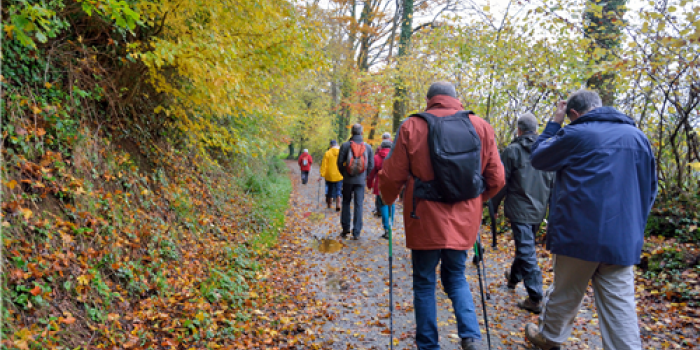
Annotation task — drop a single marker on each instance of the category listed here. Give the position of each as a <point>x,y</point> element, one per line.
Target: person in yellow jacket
<point>330,172</point>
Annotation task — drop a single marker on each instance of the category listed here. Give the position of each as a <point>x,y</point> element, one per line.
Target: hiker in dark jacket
<point>353,185</point>
<point>605,187</point>
<point>385,211</point>
<point>305,162</point>
<point>527,194</point>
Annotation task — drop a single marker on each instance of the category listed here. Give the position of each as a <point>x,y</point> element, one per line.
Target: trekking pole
<point>481,257</point>
<point>391,290</point>
<point>479,253</point>
<point>318,192</point>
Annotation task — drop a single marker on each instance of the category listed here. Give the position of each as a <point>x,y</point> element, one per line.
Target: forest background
<point>137,134</point>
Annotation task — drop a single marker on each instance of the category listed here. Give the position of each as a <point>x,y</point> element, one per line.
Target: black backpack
<point>455,154</point>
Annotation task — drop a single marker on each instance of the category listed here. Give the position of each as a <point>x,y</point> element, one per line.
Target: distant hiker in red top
<point>305,162</point>
<point>385,211</point>
<point>385,137</point>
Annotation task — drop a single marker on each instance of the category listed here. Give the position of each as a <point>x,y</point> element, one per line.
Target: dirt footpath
<point>352,279</point>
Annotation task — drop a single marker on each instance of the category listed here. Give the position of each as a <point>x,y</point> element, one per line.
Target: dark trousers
<point>333,189</point>
<point>525,266</point>
<point>358,193</point>
<point>304,177</point>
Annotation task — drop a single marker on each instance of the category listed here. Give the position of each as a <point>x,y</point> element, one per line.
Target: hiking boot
<point>529,305</point>
<point>344,234</point>
<point>470,344</point>
<point>510,284</point>
<point>385,235</point>
<point>355,238</point>
<point>532,333</point>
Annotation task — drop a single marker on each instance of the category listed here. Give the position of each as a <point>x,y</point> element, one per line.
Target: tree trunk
<point>400,93</point>
<point>373,126</point>
<point>344,120</point>
<point>603,28</point>
<point>364,26</point>
<point>291,151</point>
<point>302,144</point>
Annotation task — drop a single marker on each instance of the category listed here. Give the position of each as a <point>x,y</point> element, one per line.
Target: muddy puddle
<point>327,245</point>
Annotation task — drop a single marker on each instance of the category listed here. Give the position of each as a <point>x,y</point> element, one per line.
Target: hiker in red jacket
<point>438,232</point>
<point>386,211</point>
<point>305,162</point>
<point>385,137</point>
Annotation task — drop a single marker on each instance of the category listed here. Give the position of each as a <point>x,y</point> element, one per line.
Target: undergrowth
<point>100,252</point>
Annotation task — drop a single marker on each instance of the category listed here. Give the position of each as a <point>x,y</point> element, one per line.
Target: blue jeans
<point>456,287</point>
<point>387,212</point>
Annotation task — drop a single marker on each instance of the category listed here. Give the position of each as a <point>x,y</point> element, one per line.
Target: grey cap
<point>386,144</point>
<point>334,143</point>
<point>386,136</point>
<point>527,122</point>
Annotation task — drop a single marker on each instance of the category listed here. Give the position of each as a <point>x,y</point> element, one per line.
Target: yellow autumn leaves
<point>222,60</point>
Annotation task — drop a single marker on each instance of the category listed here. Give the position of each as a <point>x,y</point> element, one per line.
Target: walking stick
<point>318,192</point>
<point>479,254</point>
<point>481,257</point>
<point>391,290</point>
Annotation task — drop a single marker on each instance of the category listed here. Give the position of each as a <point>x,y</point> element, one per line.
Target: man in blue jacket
<point>605,187</point>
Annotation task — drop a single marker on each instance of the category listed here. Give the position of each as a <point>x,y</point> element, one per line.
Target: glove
<point>478,253</point>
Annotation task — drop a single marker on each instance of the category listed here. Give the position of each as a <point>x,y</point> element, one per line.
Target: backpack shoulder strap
<point>429,118</point>
<point>464,113</point>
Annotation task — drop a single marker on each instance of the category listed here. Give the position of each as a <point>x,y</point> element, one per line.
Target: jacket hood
<point>604,114</point>
<point>444,102</point>
<point>383,152</point>
<point>526,141</point>
<point>356,138</point>
<point>334,151</point>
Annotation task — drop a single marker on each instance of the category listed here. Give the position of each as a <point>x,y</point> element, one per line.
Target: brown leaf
<point>68,320</point>
<point>36,290</point>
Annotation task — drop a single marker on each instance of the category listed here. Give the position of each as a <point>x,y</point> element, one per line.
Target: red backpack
<point>356,161</point>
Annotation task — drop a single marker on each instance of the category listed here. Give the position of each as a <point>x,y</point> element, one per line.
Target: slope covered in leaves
<point>107,250</point>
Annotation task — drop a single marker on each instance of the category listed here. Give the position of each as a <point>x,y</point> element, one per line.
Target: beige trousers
<point>613,286</point>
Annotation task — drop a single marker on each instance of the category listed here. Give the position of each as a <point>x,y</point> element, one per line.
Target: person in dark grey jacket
<point>353,186</point>
<point>527,193</point>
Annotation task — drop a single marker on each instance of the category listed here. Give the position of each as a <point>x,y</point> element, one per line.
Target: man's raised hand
<point>560,113</point>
